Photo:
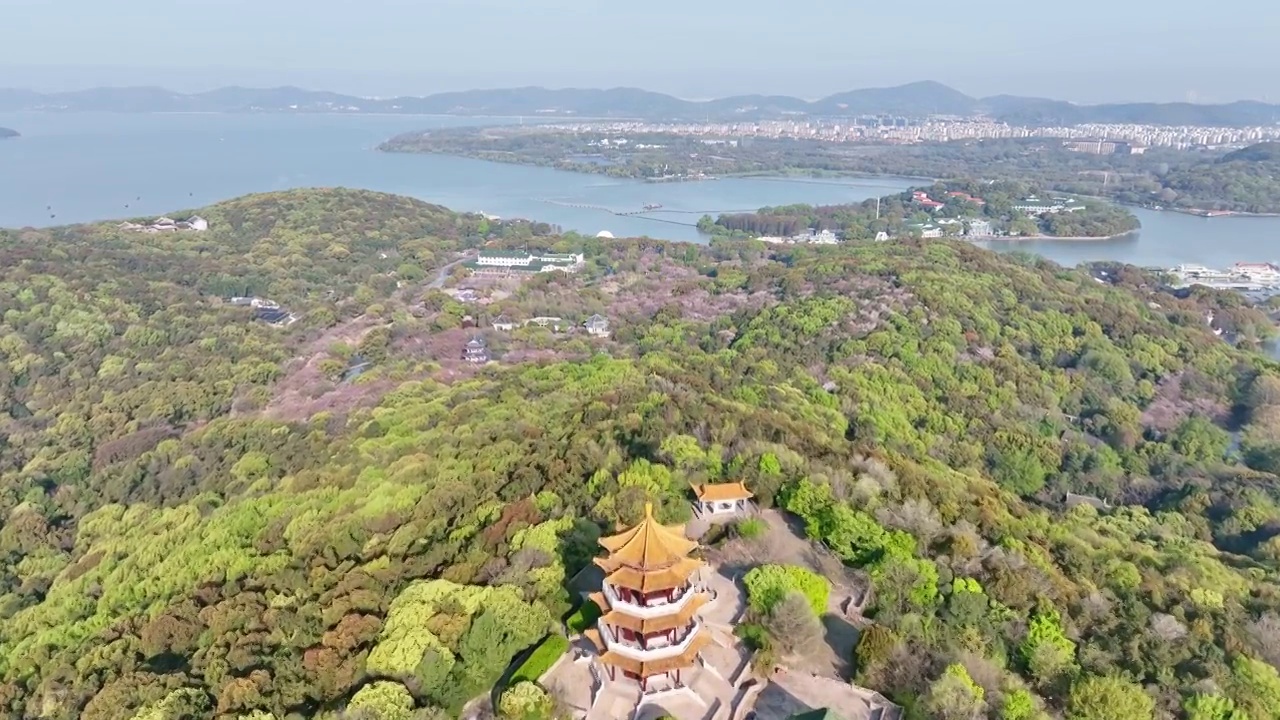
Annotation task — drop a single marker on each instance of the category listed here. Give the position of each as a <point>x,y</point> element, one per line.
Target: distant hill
<point>1262,152</point>
<point>912,100</point>
<point>920,98</point>
<point>1040,111</point>
<point>7,133</point>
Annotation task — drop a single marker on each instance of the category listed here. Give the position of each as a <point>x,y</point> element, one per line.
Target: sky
<point>1086,50</point>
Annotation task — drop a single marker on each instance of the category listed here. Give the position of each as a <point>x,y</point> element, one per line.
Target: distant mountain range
<point>911,100</point>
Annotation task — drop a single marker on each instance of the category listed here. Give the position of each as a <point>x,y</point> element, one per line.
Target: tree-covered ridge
<point>1247,180</point>
<point>114,341</point>
<point>923,407</point>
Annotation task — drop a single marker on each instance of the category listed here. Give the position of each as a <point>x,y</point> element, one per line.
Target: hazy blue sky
<point>1085,50</point>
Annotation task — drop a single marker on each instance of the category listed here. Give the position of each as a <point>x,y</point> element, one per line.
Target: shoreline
<point>1212,214</point>
<point>1193,212</point>
<point>1054,238</point>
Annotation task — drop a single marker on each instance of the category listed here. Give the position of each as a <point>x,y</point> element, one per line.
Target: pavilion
<point>721,498</point>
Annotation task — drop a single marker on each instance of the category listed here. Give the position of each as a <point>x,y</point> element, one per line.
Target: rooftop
<point>721,492</point>
<point>653,667</point>
<point>652,580</point>
<point>648,545</point>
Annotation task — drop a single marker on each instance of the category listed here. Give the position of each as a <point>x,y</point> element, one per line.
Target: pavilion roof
<point>647,581</point>
<point>722,492</point>
<point>649,544</point>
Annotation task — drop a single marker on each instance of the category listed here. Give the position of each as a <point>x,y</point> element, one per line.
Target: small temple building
<point>476,351</point>
<point>721,498</point>
<point>649,630</point>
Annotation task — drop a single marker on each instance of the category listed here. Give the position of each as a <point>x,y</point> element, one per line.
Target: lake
<point>91,166</point>
<point>84,167</point>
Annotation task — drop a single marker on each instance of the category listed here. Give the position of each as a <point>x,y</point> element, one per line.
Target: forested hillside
<point>177,540</point>
<point>1247,180</point>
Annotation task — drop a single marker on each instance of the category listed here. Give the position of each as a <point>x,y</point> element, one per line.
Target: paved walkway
<point>784,542</point>
<point>790,692</point>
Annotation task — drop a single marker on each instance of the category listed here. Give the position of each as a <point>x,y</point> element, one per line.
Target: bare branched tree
<point>792,626</point>
<point>1168,627</point>
<point>1265,633</point>
<point>914,516</point>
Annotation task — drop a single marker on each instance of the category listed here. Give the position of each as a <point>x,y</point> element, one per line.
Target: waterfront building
<point>926,230</point>
<point>649,631</point>
<point>1248,277</point>
<point>810,237</point>
<point>978,229</point>
<point>1035,206</point>
<point>1259,272</point>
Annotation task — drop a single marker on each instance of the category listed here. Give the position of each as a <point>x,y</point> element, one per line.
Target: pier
<point>643,213</point>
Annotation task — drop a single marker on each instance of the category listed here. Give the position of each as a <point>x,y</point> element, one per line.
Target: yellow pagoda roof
<point>651,625</point>
<point>658,667</point>
<point>649,544</point>
<point>722,492</point>
<point>673,576</point>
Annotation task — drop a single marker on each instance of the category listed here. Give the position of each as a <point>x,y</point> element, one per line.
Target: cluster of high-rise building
<point>1122,137</point>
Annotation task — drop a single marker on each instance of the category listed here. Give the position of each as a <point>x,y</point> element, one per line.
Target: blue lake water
<point>83,167</point>
<point>91,166</point>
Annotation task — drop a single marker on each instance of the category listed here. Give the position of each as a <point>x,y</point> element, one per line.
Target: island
<point>969,210</point>
<point>486,464</point>
<point>8,133</point>
<point>653,157</point>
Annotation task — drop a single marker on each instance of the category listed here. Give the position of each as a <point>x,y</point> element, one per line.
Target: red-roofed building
<point>922,198</point>
<point>967,197</point>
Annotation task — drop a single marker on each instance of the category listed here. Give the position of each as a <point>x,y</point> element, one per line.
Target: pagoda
<point>649,630</point>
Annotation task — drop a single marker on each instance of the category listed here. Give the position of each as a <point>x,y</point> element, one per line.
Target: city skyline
<point>1093,52</point>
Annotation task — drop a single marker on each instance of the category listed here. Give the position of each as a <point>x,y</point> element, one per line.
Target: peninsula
<point>960,210</point>
<point>1167,169</point>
